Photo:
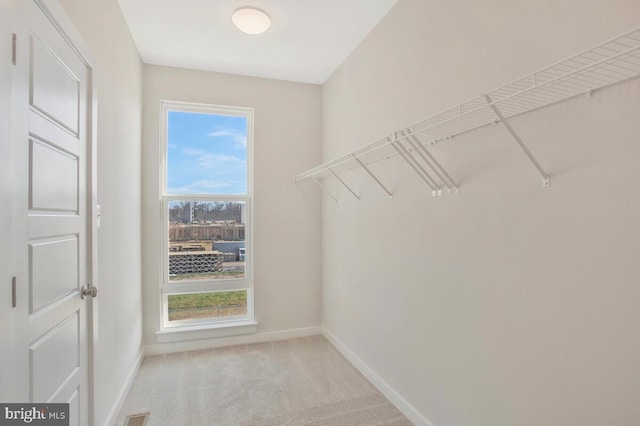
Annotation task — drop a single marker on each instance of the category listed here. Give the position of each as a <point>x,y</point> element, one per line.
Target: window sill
<point>195,332</point>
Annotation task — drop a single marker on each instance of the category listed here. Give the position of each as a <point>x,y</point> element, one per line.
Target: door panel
<point>54,269</point>
<point>54,178</point>
<point>54,90</point>
<point>54,359</point>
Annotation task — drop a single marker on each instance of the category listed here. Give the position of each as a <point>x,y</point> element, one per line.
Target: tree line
<point>205,211</point>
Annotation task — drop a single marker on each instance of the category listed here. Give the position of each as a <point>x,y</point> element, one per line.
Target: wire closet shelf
<point>609,63</point>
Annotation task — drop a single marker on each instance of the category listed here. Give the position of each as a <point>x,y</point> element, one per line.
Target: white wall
<point>119,90</point>
<point>509,304</point>
<point>287,226</point>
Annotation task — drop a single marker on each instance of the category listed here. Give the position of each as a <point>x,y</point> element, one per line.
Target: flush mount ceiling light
<point>251,20</point>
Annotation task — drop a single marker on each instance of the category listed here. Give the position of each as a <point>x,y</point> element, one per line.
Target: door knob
<point>89,290</point>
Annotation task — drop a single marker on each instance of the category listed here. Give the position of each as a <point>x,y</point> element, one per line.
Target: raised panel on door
<point>54,89</point>
<point>55,359</point>
<point>54,269</point>
<point>53,178</point>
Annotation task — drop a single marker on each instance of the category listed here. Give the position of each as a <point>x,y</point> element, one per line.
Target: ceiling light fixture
<point>251,20</point>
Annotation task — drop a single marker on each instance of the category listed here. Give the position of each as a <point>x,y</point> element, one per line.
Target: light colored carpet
<point>301,381</point>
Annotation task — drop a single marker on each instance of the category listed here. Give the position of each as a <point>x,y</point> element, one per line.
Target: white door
<point>6,323</point>
<point>52,132</point>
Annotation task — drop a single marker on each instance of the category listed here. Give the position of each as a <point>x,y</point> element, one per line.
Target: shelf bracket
<point>416,167</point>
<point>325,190</point>
<point>546,180</point>
<point>343,182</point>
<point>366,169</point>
<point>432,162</point>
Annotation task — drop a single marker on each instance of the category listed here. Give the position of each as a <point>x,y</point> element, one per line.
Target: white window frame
<point>204,286</point>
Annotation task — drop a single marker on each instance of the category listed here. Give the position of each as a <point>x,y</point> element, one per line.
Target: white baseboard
<point>165,348</point>
<point>117,405</point>
<point>391,394</point>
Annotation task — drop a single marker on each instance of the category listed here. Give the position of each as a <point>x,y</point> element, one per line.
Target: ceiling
<point>307,41</point>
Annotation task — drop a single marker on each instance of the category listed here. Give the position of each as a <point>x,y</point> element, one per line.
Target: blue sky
<point>206,154</point>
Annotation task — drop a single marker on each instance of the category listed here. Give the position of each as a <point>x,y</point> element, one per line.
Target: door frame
<point>54,11</point>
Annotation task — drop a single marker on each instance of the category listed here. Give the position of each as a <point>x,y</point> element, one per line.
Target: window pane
<point>206,240</point>
<point>207,305</point>
<point>206,153</point>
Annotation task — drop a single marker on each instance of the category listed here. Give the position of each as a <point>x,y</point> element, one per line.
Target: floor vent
<point>137,419</point>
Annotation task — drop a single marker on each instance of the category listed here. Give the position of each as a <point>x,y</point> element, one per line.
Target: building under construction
<point>227,230</point>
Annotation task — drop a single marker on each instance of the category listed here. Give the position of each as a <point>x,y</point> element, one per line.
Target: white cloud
<point>193,152</point>
<point>239,138</point>
<point>210,184</point>
<point>208,160</point>
<point>200,187</point>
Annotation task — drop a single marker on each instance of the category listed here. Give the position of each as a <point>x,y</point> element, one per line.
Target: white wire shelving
<point>609,63</point>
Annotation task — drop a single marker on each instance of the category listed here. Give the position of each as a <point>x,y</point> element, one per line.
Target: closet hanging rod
<point>530,89</point>
<point>355,155</point>
<point>612,62</point>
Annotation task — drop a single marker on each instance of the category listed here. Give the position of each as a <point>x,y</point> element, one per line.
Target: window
<point>206,214</point>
